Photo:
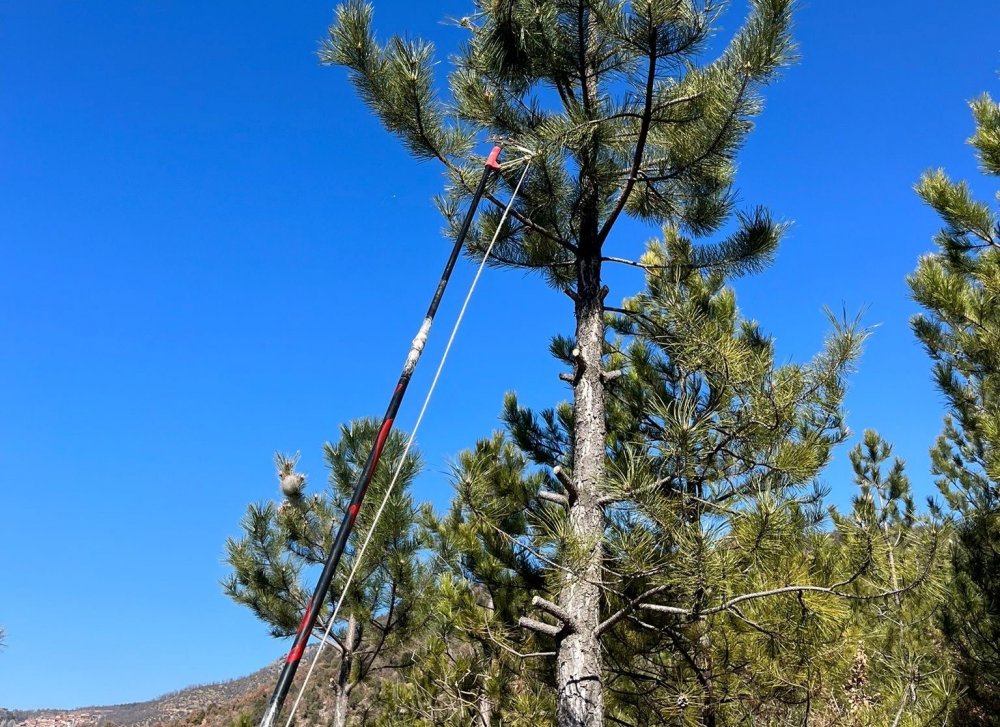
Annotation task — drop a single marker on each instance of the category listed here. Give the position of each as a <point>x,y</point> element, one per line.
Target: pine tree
<point>722,597</point>
<point>620,118</point>
<point>958,286</point>
<point>908,674</point>
<point>472,664</point>
<point>382,607</point>
<point>725,596</point>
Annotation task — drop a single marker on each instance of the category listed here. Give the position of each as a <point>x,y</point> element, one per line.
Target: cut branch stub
<point>540,627</point>
<point>565,480</point>
<point>609,376</point>
<point>553,497</point>
<point>553,610</point>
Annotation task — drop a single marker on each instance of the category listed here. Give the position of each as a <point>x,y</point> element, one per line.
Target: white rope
<point>406,450</point>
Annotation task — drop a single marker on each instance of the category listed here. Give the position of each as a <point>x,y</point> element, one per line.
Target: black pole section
<point>347,524</point>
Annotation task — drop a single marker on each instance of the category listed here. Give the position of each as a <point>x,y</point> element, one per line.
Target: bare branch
<point>626,261</point>
<point>331,640</point>
<point>666,609</point>
<point>626,610</point>
<point>553,497</point>
<point>553,610</point>
<point>511,650</point>
<point>540,627</point>
<point>728,605</point>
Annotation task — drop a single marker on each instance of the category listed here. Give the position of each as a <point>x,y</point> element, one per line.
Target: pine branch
<point>514,212</point>
<point>565,480</point>
<point>658,608</point>
<point>714,146</point>
<point>515,652</point>
<point>640,144</point>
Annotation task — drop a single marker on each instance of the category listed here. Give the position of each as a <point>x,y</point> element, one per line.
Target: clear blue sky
<point>199,227</point>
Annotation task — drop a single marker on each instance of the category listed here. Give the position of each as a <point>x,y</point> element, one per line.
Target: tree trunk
<point>484,709</point>
<point>581,698</point>
<point>342,689</point>
<point>340,704</point>
<point>484,703</point>
<point>703,658</point>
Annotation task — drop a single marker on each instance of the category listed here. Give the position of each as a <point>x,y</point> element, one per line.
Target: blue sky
<point>211,251</point>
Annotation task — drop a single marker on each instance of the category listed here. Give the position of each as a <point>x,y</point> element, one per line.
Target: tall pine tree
<point>959,288</point>
<point>622,118</point>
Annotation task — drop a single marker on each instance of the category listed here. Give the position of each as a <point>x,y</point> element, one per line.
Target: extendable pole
<point>347,524</point>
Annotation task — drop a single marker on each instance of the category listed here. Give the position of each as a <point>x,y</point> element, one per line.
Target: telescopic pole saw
<point>347,524</point>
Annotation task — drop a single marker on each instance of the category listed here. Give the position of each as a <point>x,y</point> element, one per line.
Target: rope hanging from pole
<point>406,450</point>
<point>308,623</point>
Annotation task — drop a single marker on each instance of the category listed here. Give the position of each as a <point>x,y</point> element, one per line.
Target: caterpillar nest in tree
<point>292,484</point>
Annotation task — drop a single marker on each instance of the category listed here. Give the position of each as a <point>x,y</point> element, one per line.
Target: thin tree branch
<point>626,610</point>
<point>513,651</point>
<point>540,627</point>
<point>564,480</point>
<point>765,594</point>
<point>640,144</point>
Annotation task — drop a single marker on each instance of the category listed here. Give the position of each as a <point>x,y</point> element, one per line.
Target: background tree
<point>715,503</point>
<point>636,126</point>
<point>959,287</point>
<point>725,596</point>
<point>473,664</point>
<point>902,672</point>
<point>272,561</point>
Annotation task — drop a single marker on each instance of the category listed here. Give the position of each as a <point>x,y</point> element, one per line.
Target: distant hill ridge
<point>207,704</point>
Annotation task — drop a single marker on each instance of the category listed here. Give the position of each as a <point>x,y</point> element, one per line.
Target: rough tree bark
<point>580,701</point>
<point>581,697</point>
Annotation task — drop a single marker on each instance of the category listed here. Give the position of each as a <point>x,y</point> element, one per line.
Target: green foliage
<point>907,675</point>
<point>958,287</point>
<point>243,719</point>
<point>724,598</point>
<point>610,100</point>
<point>728,594</point>
<point>619,114</point>
<point>283,545</point>
<point>972,619</point>
<point>714,503</point>
<point>470,665</point>
<point>960,330</point>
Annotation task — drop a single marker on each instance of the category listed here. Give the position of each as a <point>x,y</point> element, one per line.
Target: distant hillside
<point>237,703</point>
<point>210,704</point>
